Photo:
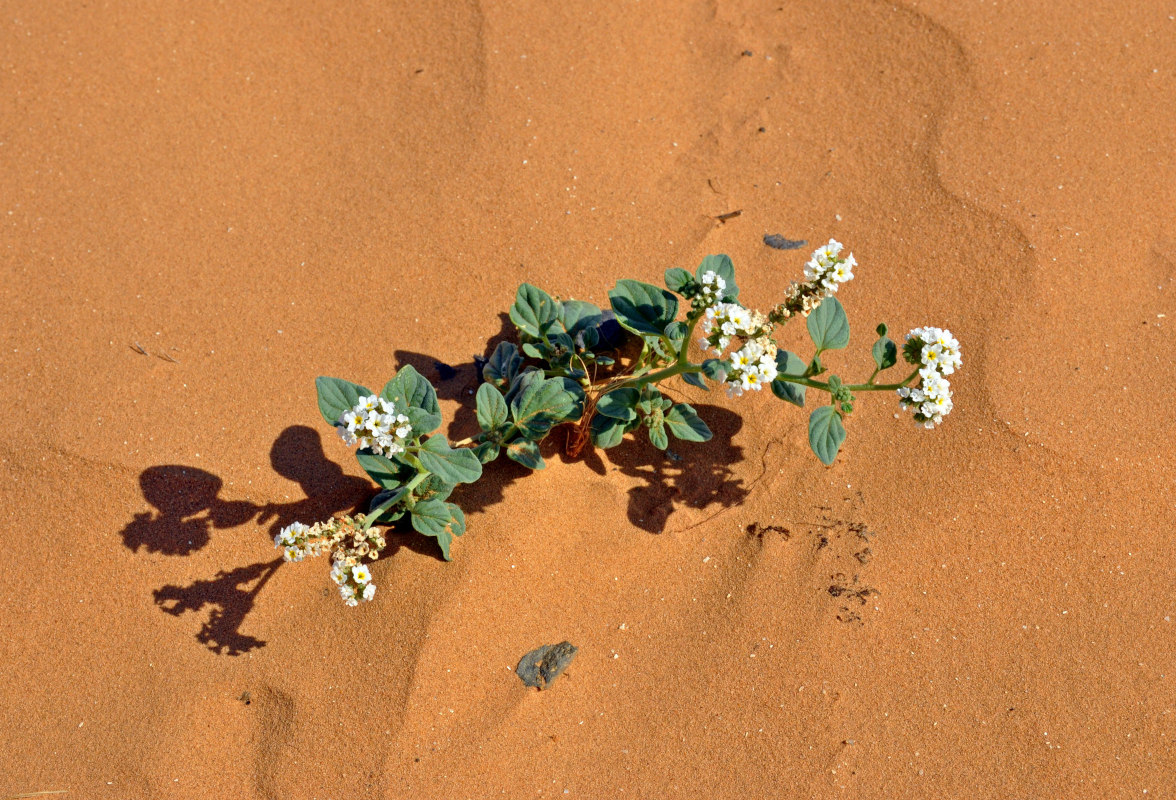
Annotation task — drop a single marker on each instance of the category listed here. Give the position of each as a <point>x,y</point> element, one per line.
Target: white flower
<point>291,534</point>
<point>374,424</point>
<point>369,591</point>
<point>361,574</point>
<point>292,553</point>
<point>346,591</point>
<point>827,270</point>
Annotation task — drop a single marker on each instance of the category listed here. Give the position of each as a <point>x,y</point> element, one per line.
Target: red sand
<point>257,194</point>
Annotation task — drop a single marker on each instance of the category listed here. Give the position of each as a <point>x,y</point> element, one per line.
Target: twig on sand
<point>722,218</point>
<point>140,349</point>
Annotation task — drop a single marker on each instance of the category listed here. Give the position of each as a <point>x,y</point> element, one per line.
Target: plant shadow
<point>458,382</point>
<point>189,507</point>
<point>691,474</point>
<point>230,600</point>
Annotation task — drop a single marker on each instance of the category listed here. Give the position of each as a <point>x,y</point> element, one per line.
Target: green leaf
<point>336,395</point>
<point>643,308</point>
<point>492,410</point>
<point>578,316</point>
<point>534,311</point>
<point>789,363</point>
<point>440,520</point>
<point>526,453</point>
<point>680,281</point>
<point>694,379</point>
<point>722,266</point>
<point>586,339</point>
<point>683,421</point>
<point>384,471</point>
<point>676,332</point>
<point>521,382</point>
<point>826,433</point>
<point>502,366</point>
<point>828,326</point>
<point>410,390</point>
<point>383,505</point>
<point>543,404</point>
<point>452,466</point>
<point>715,369</point>
<point>651,399</point>
<point>619,404</point>
<point>434,487</point>
<point>422,422</point>
<point>487,451</point>
<point>885,353</point>
<point>657,436</point>
<point>606,432</point>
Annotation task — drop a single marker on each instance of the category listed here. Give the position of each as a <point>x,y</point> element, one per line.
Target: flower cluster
<point>828,268</point>
<point>712,288</point>
<point>752,366</point>
<point>937,353</point>
<point>725,320</point>
<point>348,542</point>
<point>824,273</point>
<point>355,583</point>
<point>374,424</point>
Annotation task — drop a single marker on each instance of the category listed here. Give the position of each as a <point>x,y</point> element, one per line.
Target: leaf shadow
<point>188,507</point>
<point>458,382</point>
<point>689,474</point>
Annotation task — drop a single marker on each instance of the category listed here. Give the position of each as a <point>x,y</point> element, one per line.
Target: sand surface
<point>205,206</point>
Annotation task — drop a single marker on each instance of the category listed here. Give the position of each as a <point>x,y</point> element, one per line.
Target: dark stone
<point>540,667</point>
<point>780,243</point>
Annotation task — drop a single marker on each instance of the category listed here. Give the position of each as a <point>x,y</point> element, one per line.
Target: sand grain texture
<point>205,207</point>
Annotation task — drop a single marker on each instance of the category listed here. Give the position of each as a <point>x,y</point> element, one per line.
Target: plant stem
<point>853,387</point>
<point>681,364</point>
<point>881,387</point>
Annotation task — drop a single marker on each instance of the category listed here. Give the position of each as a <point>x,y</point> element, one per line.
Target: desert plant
<point>596,374</point>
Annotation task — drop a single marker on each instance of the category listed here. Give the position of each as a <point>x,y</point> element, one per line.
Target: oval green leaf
<point>828,326</point>
<point>492,410</point>
<point>683,421</point>
<point>383,470</point>
<point>885,353</point>
<point>643,308</point>
<point>826,433</point>
<point>619,404</point>
<point>336,395</point>
<point>789,363</point>
<point>502,366</point>
<point>542,404</point>
<point>534,311</point>
<point>440,520</point>
<point>452,466</point>
<point>525,452</point>
<point>577,316</point>
<point>680,281</point>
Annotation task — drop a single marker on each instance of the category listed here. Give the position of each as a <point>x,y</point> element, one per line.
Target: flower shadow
<point>230,600</point>
<point>189,507</point>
